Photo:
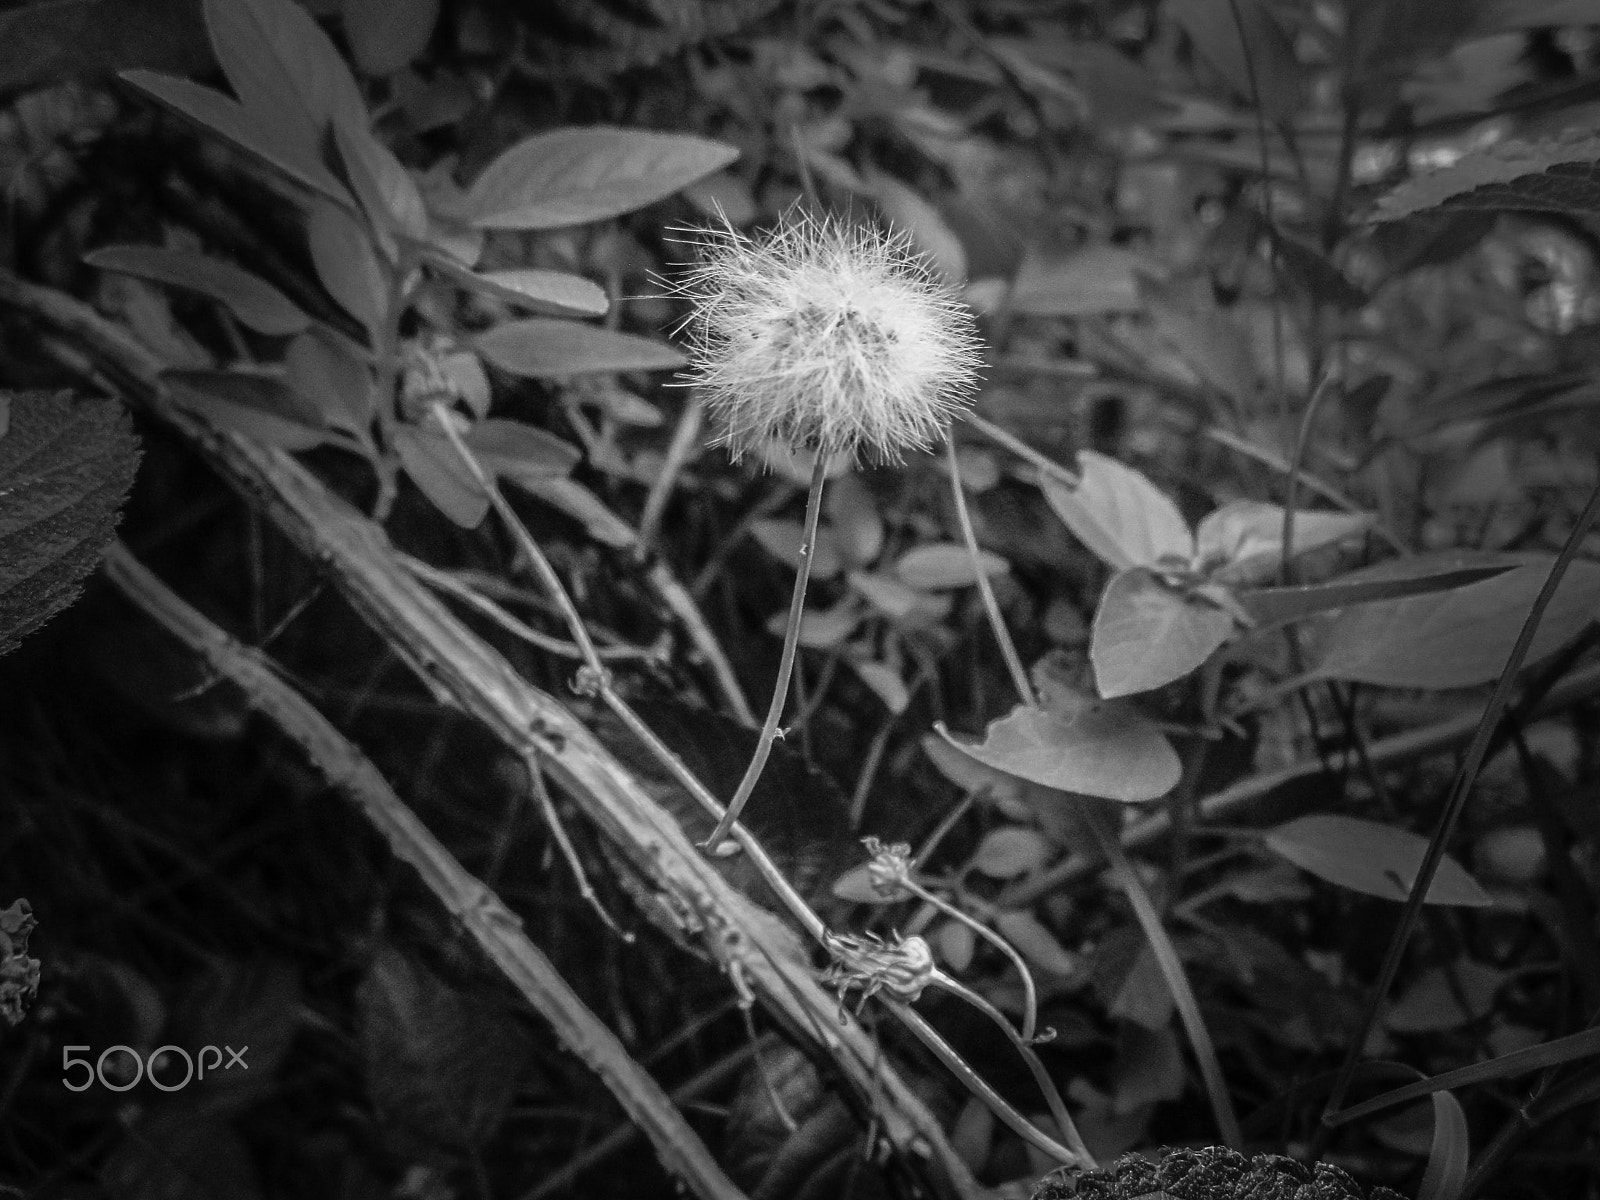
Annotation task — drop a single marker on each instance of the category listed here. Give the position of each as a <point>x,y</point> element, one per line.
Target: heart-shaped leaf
<point>1097,749</point>
<point>1147,634</point>
<point>1458,638</point>
<point>1374,859</point>
<point>1119,514</point>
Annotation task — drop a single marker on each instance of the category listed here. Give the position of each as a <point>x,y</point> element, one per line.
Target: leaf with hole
<point>1098,749</point>
<point>65,468</point>
<point>944,565</point>
<point>540,347</point>
<point>1377,860</point>
<point>1147,634</point>
<point>1123,518</point>
<point>574,176</point>
<point>1457,638</point>
<point>252,300</point>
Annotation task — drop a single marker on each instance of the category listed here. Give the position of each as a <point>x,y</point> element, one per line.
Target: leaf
<point>337,384</point>
<point>1147,634</point>
<point>1009,851</point>
<point>558,293</point>
<point>886,683</point>
<point>1555,175</point>
<point>575,176</point>
<point>538,347</point>
<point>1096,280</point>
<point>1446,1174</point>
<point>1247,46</point>
<point>284,69</point>
<point>519,452</point>
<point>385,35</point>
<point>1376,860</point>
<point>1123,518</point>
<point>437,469</point>
<point>1097,750</point>
<point>853,515</point>
<point>1208,341</point>
<point>254,301</point>
<point>945,565</point>
<point>248,129</point>
<point>1413,576</point>
<point>889,596</point>
<point>388,194</point>
<point>931,236</point>
<point>820,628</point>
<point>1461,637</point>
<point>1034,941</point>
<point>782,539</point>
<point>347,265</point>
<point>258,407</point>
<point>66,466</point>
<point>855,885</point>
<point>1243,541</point>
<point>1436,1001</point>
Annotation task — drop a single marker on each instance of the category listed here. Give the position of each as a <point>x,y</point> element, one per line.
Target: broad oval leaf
<point>1458,638</point>
<point>65,469</point>
<point>1377,860</point>
<point>944,565</point>
<point>254,301</point>
<point>1099,750</point>
<point>1242,542</point>
<point>1009,851</point>
<point>1147,634</point>
<point>574,176</point>
<point>886,683</point>
<point>248,129</point>
<point>1123,518</point>
<point>540,347</point>
<point>1034,941</point>
<point>437,469</point>
<point>889,596</point>
<point>347,264</point>
<point>519,452</point>
<point>385,35</point>
<point>1446,1174</point>
<point>820,628</point>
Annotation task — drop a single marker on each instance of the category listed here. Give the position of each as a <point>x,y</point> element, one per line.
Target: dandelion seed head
<point>827,336</point>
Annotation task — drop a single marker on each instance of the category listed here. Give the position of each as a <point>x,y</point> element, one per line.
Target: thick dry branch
<point>482,913</point>
<point>753,945</point>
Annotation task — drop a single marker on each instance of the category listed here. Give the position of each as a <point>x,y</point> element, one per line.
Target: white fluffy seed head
<point>828,336</point>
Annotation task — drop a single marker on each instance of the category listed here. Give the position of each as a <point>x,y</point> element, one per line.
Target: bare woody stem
<point>791,641</point>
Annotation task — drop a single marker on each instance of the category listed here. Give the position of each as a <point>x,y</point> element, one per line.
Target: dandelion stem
<point>791,641</point>
<point>1008,648</point>
<point>1030,995</point>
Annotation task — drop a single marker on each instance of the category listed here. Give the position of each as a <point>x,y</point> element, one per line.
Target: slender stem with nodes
<point>791,641</point>
<point>1008,649</point>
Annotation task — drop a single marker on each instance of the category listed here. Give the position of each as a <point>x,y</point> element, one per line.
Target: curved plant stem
<point>1008,649</point>
<point>791,641</point>
<point>1171,965</point>
<point>1030,995</point>
<point>1499,699</point>
<point>1022,450</point>
<point>977,1085</point>
<point>1052,1097</point>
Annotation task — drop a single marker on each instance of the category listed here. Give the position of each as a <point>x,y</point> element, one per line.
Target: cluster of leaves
<point>1178,223</point>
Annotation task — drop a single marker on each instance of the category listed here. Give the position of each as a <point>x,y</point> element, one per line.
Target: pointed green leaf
<point>254,301</point>
<point>1119,514</point>
<point>519,452</point>
<point>574,176</point>
<point>385,35</point>
<point>539,347</point>
<point>336,383</point>
<point>437,469</point>
<point>944,565</point>
<point>1445,1176</point>
<point>347,264</point>
<point>385,188</point>
<point>255,406</point>
<point>1376,860</point>
<point>558,293</point>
